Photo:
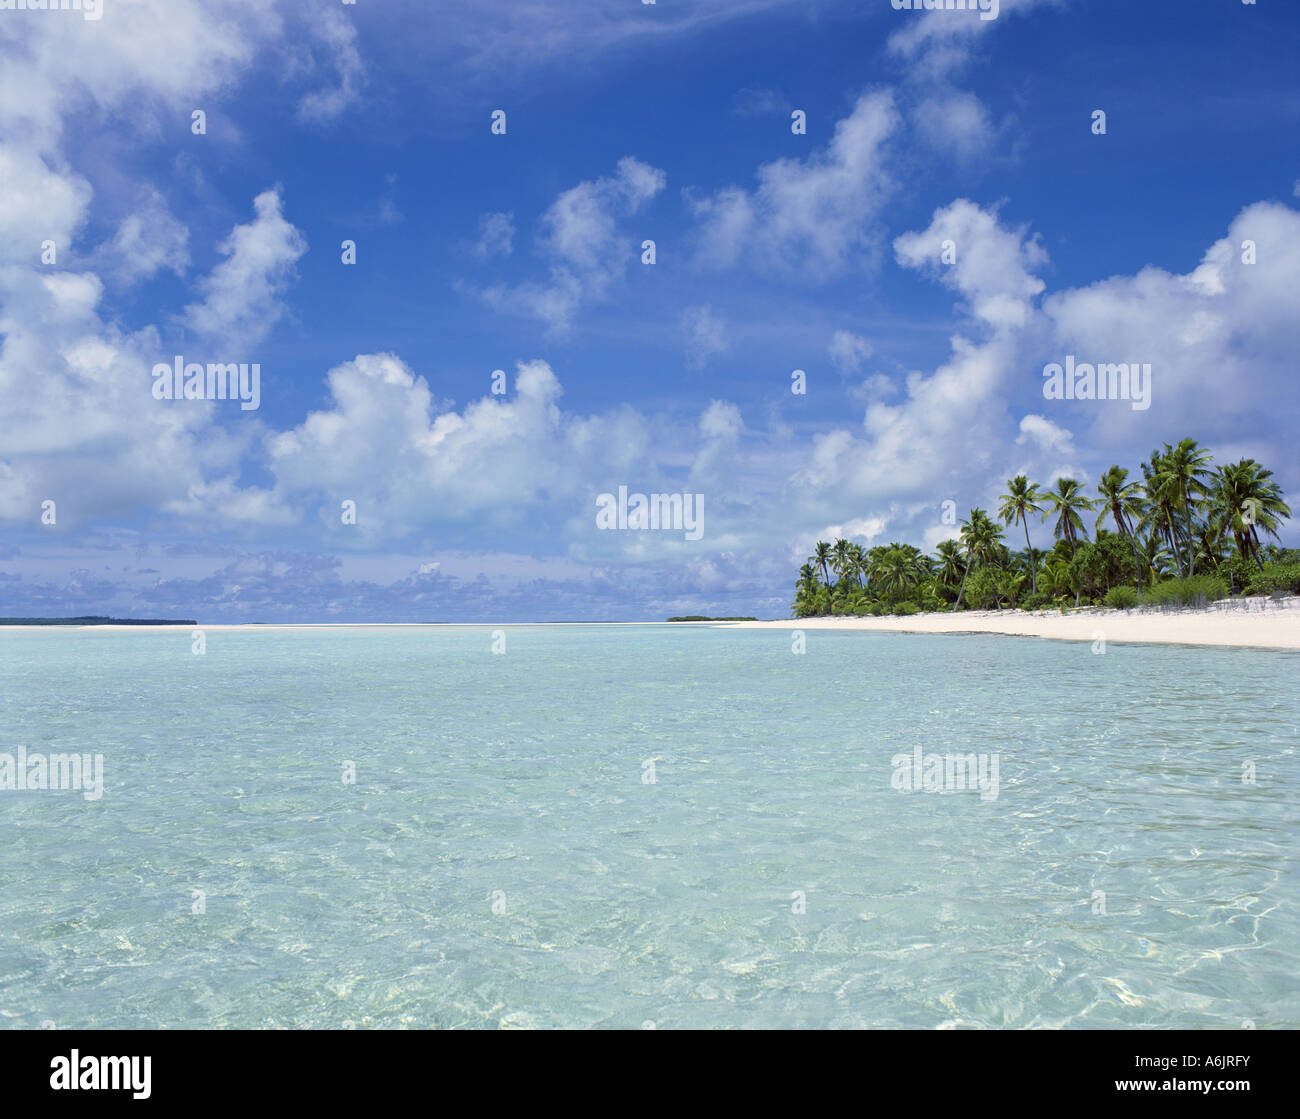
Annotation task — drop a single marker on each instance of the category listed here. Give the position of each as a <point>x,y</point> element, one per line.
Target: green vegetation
<point>1185,533</point>
<point>97,620</point>
<point>1195,590</point>
<point>702,618</point>
<point>1121,598</point>
<point>1276,578</point>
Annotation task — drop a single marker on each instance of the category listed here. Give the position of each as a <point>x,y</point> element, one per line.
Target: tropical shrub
<point>1009,585</point>
<point>1239,573</point>
<point>1194,590</point>
<point>1121,598</point>
<point>982,588</point>
<point>906,609</point>
<point>1275,577</point>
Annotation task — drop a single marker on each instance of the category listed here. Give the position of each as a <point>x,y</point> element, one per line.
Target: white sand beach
<point>1248,623</point>
<point>1257,623</point>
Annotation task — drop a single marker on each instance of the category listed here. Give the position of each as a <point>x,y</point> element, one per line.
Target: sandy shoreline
<point>1267,626</point>
<point>1246,624</point>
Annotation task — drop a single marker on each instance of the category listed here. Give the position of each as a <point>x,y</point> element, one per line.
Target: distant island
<point>1186,534</point>
<point>97,620</point>
<point>702,618</point>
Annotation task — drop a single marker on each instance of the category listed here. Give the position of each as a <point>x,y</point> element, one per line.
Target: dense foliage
<point>1186,533</point>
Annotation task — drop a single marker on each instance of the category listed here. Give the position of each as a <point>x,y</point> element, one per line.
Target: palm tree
<point>842,551</point>
<point>896,572</point>
<point>1242,500</point>
<point>1067,499</point>
<point>822,556</point>
<point>980,535</point>
<point>858,565</point>
<point>1056,576</point>
<point>1153,554</point>
<point>1179,477</point>
<point>805,592</point>
<point>947,565</point>
<point>1122,502</point>
<point>1017,503</point>
<point>1008,586</point>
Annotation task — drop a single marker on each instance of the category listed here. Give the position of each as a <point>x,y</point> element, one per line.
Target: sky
<point>917,210</point>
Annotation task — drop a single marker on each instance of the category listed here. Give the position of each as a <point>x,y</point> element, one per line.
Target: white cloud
<point>848,351</point>
<point>705,334</point>
<point>1225,332</point>
<point>807,216</point>
<point>82,428</point>
<point>939,42</point>
<point>587,249</point>
<point>1045,435</point>
<point>721,421</point>
<point>496,234</point>
<point>337,35</point>
<point>992,265</point>
<point>146,241</point>
<point>241,296</point>
<point>383,443</point>
<point>866,529</point>
<point>956,122</point>
<point>492,41</point>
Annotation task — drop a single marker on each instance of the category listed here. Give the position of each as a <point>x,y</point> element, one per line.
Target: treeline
<point>97,620</point>
<point>702,618</point>
<point>1186,532</point>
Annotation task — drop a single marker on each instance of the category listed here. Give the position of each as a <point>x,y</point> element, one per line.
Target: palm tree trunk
<point>1132,543</point>
<point>1029,553</point>
<point>962,589</point>
<point>1175,541</point>
<point>1253,537</point>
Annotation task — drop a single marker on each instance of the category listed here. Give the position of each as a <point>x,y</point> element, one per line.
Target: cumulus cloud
<point>241,296</point>
<point>947,431</point>
<point>1224,332</point>
<point>147,240</point>
<point>810,216</point>
<point>992,266</point>
<point>384,443</point>
<point>582,239</point>
<point>82,428</point>
<point>1221,332</point>
<point>956,122</point>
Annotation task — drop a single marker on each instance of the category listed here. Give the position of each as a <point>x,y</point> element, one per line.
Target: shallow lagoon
<point>683,826</point>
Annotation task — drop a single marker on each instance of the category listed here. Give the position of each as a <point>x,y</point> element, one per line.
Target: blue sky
<point>522,252</point>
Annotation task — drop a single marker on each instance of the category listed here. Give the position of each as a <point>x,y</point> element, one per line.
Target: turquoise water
<point>502,858</point>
